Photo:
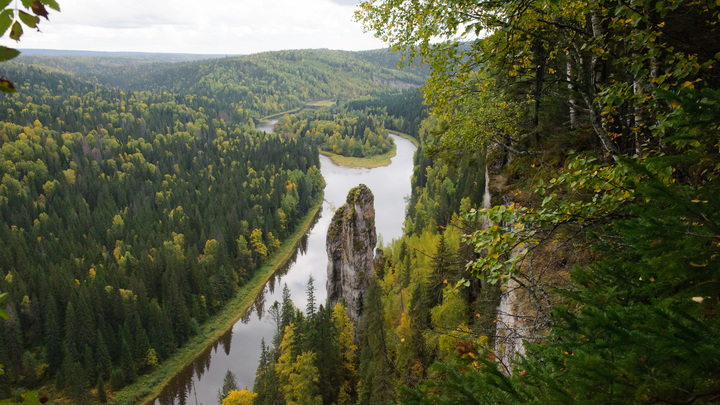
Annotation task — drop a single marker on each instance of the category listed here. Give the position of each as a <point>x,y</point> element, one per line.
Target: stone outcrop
<point>510,328</point>
<point>350,245</point>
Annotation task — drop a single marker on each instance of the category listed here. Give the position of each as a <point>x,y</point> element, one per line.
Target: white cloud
<point>185,26</point>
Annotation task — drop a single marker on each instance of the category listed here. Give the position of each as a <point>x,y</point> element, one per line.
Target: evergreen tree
<point>229,384</point>
<point>376,374</point>
<point>53,336</point>
<point>101,393</point>
<point>261,374</point>
<point>273,389</point>
<point>322,339</point>
<point>72,340</point>
<point>79,391</point>
<point>127,362</point>
<point>310,290</point>
<point>117,380</point>
<point>288,308</point>
<point>89,363</point>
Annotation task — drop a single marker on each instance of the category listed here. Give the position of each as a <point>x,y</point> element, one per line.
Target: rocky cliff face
<point>350,245</point>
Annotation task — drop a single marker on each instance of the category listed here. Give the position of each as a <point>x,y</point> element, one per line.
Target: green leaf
<point>27,3</point>
<point>7,53</point>
<point>29,20</point>
<point>16,31</point>
<point>4,3</point>
<point>6,18</point>
<point>52,4</point>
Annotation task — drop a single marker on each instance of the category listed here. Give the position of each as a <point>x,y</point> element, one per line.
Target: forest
<point>562,242</point>
<point>343,133</point>
<point>133,210</point>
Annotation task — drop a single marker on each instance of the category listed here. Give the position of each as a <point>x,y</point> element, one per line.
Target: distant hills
<point>167,57</point>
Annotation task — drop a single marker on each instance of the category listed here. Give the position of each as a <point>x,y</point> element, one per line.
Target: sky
<point>225,27</point>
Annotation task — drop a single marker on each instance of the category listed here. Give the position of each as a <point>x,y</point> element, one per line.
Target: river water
<point>239,349</point>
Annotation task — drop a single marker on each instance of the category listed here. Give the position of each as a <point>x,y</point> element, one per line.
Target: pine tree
<point>72,340</point>
<point>322,340</point>
<point>229,384</point>
<point>288,308</point>
<point>89,363</point>
<point>376,374</point>
<point>261,374</point>
<point>127,362</point>
<point>101,393</point>
<point>79,390</point>
<point>53,336</point>
<point>273,389</point>
<point>117,380</point>
<point>310,309</point>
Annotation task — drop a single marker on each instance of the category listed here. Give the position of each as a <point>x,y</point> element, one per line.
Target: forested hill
<point>264,83</point>
<point>137,197</point>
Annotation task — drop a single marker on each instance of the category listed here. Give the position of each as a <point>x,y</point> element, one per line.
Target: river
<point>239,349</point>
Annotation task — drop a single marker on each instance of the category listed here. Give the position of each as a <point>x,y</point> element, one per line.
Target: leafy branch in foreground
<point>13,18</point>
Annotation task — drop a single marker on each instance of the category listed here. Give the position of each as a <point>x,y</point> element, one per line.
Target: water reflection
<point>200,382</point>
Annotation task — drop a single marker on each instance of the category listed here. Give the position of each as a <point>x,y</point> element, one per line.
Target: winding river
<point>239,349</point>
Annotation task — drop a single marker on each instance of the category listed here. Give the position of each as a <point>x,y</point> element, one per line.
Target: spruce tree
<point>127,362</point>
<point>229,384</point>
<point>78,390</point>
<point>310,309</point>
<point>53,336</point>
<point>261,374</point>
<point>72,340</point>
<point>102,356</point>
<point>117,380</point>
<point>101,393</point>
<point>376,374</point>
<point>287,309</point>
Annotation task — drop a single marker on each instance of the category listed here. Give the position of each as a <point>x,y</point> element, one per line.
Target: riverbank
<point>371,162</point>
<point>149,386</point>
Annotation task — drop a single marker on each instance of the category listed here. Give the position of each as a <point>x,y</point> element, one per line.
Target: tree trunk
<point>571,90</point>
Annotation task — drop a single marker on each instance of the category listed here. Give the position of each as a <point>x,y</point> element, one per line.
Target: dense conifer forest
<point>137,197</point>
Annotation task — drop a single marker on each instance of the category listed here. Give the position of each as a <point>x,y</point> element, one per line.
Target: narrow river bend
<point>239,349</point>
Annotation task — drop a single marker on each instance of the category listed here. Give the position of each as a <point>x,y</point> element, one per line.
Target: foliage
<point>346,133</point>
<point>236,397</point>
<point>314,360</point>
<point>632,88</point>
<point>252,86</point>
<point>13,18</point>
<point>124,210</point>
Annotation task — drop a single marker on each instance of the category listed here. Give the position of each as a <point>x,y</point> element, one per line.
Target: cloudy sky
<point>202,27</point>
